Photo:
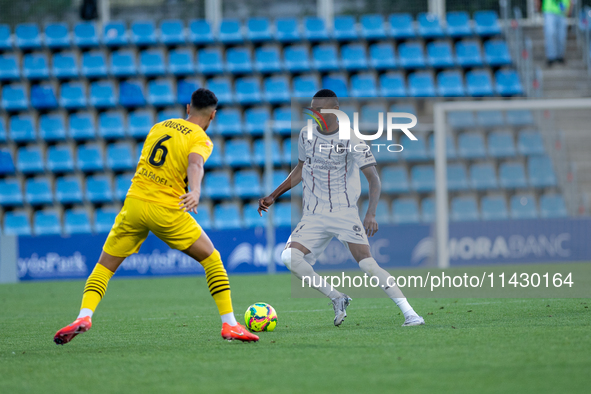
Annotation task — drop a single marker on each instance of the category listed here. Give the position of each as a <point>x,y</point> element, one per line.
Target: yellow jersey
<point>161,174</point>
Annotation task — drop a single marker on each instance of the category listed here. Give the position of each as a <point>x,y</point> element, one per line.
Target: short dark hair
<point>325,93</point>
<point>203,98</point>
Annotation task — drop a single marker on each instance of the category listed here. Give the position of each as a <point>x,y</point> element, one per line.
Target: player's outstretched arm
<point>190,200</point>
<point>293,179</point>
<point>375,188</point>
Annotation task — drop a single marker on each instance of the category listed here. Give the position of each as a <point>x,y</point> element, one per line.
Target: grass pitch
<point>162,336</point>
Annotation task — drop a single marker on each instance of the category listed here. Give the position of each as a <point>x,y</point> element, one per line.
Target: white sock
<point>229,318</point>
<point>294,260</point>
<point>371,267</point>
<point>85,312</point>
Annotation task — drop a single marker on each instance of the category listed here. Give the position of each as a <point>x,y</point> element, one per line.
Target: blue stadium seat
<point>364,85</point>
<point>248,91</point>
<point>228,122</point>
<point>215,159</point>
<point>287,30</point>
<point>354,57</point>
<point>38,191</point>
<point>256,120</point>
<point>90,158</point>
<point>315,29</point>
<point>381,56</point>
<point>47,223</point>
<point>11,193</point>
<point>464,209</point>
<point>523,207</point>
<point>94,65</point>
<point>172,32</point>
<point>541,171</point>
<point>139,123</point>
<point>372,27</point>
<point>421,84</point>
<point>395,179</point>
<point>160,93</point>
<point>3,134</point>
<point>282,120</point>
<point>252,217</point>
<point>423,178</point>
<point>123,63</point>
<point>405,210</point>
<point>247,184</point>
<point>85,35</point>
<point>111,125</point>
<point>22,129</point>
<point>278,177</point>
<point>392,85</point>
<point>131,94</point>
<point>102,95</point>
<point>122,185</point>
<point>401,26</point>
<point>218,186</point>
<point>73,96</point>
<point>120,157</point>
<point>76,221</point>
<point>238,60</point>
<point>222,88</point>
<point>227,216</point>
<point>337,83</point>
<point>30,160</point>
<point>483,176</point>
<point>267,60</point>
<point>17,223</point>
<point>500,144</point>
<point>512,176</point>
<point>169,113</point>
<point>6,163</point>
<point>507,83</point>
<point>209,61</point>
<point>200,32</point>
<point>345,28</point>
<point>60,159</point>
<point>115,34</point>
<point>82,126</point>
<point>143,33</point>
<point>260,155</point>
<point>486,23</point>
<point>231,32</point>
<point>57,36</point>
<point>282,217</point>
<point>277,90</point>
<point>9,67</point>
<point>203,216</point>
<point>35,66</point>
<point>496,53</point>
<point>490,119</point>
<point>494,208</point>
<point>98,189</point>
<point>5,38</point>
<point>450,84</point>
<point>478,83</point>
<point>104,218</point>
<point>68,190</point>
<point>305,86</point>
<point>296,59</point>
<point>552,206</point>
<point>429,25</point>
<point>258,30</point>
<point>461,119</point>
<point>152,63</point>
<point>185,88</point>
<point>238,153</point>
<point>43,97</point>
<point>529,142</point>
<point>471,146</point>
<point>450,147</point>
<point>181,61</point>
<point>65,65</point>
<point>382,211</point>
<point>458,24</point>
<point>439,54</point>
<point>413,150</point>
<point>457,178</point>
<point>519,117</point>
<point>468,54</point>
<point>410,55</point>
<point>27,36</point>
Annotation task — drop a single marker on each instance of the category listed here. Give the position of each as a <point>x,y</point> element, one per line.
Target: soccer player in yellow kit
<point>158,201</point>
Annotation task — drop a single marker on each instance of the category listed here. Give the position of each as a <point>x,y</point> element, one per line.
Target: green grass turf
<point>162,336</point>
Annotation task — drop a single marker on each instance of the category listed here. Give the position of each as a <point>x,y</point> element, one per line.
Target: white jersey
<point>330,175</point>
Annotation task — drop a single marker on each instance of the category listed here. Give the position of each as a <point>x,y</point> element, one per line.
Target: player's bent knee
<point>286,258</point>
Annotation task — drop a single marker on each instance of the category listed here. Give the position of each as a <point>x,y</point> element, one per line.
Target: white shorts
<point>316,231</point>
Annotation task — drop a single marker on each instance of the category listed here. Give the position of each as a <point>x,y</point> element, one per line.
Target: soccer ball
<point>260,317</point>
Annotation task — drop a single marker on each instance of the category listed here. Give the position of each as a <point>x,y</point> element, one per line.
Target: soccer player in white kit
<point>329,169</point>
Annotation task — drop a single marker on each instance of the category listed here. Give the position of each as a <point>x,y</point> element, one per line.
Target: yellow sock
<point>96,286</point>
<point>218,283</point>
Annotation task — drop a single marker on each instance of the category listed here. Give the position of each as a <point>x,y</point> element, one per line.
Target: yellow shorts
<point>138,217</point>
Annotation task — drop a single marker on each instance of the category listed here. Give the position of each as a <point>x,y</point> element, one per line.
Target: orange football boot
<point>237,332</point>
<point>68,333</point>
